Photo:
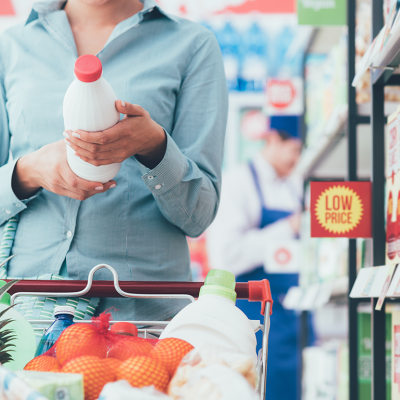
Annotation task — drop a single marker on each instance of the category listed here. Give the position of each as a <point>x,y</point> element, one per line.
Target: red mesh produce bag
<point>95,339</point>
<point>102,355</point>
<point>94,351</point>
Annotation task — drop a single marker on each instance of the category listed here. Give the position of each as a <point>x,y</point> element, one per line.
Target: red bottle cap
<point>124,328</point>
<point>88,68</point>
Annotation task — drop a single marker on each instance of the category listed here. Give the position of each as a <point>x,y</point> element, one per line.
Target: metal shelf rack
<point>347,129</point>
<point>380,77</point>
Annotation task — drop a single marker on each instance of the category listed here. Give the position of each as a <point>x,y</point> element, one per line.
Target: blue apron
<point>283,350</point>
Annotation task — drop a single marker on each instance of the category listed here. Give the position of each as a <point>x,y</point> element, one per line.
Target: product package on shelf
<point>363,41</point>
<point>322,259</point>
<point>393,190</point>
<point>364,353</point>
<point>308,270</point>
<point>325,77</point>
<point>326,372</point>
<point>395,328</point>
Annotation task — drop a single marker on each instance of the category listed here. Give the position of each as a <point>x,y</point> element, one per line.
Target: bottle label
<point>62,393</point>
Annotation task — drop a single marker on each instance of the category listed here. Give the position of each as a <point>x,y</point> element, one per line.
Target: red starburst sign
<point>341,209</point>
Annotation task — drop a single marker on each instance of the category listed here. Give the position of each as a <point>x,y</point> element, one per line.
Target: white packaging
<point>210,355</point>
<point>217,382</point>
<point>214,318</point>
<point>122,390</point>
<point>89,105</point>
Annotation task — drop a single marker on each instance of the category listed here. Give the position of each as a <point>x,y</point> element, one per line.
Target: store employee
<point>260,206</point>
<point>170,144</point>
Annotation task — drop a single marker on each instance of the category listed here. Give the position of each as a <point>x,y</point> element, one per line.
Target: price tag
<point>370,281</point>
<point>385,287</point>
<point>340,209</point>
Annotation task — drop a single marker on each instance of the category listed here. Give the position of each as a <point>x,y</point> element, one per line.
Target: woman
<point>169,76</point>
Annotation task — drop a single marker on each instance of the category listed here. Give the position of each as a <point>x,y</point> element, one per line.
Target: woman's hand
<point>48,168</point>
<point>136,135</point>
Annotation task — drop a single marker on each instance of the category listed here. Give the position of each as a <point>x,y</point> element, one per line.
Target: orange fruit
<point>170,352</point>
<point>43,363</point>
<point>80,340</point>
<point>144,371</point>
<point>95,374</point>
<point>129,347</point>
<point>112,364</point>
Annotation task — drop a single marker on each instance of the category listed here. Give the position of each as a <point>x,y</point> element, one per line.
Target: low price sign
<point>341,209</point>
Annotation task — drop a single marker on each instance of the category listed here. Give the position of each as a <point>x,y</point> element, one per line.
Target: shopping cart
<point>252,291</point>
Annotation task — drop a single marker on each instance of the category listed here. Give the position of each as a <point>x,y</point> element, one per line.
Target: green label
<point>322,12</point>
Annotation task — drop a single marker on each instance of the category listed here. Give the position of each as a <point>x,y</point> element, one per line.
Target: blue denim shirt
<point>171,67</point>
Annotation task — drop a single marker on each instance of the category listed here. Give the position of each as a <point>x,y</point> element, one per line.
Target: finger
<point>97,163</point>
<point>73,182</point>
<point>97,138</point>
<point>73,195</point>
<point>102,155</point>
<point>92,148</point>
<point>132,110</point>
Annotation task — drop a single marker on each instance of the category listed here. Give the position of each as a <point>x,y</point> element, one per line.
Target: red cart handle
<point>107,288</point>
<point>253,291</point>
<point>261,291</point>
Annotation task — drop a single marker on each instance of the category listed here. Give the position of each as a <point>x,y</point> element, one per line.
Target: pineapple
<point>6,335</point>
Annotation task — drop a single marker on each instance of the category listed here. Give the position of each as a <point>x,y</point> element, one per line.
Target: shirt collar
<point>46,7</point>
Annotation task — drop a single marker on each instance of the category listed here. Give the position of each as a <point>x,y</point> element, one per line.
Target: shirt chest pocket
<point>35,110</point>
<point>42,127</point>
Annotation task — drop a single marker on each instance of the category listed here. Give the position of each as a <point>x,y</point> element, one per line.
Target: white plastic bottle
<point>89,105</point>
<point>214,318</point>
<point>24,337</point>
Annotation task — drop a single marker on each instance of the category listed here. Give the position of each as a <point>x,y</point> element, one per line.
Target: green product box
<point>364,356</point>
<point>54,386</point>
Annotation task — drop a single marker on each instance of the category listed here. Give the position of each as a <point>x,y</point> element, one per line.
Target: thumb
<point>133,110</point>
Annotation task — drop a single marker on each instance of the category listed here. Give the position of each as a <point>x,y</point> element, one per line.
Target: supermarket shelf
<point>340,288</point>
<point>365,109</point>
<point>317,295</point>
<point>316,152</point>
<point>377,281</point>
<point>389,57</point>
<point>328,156</point>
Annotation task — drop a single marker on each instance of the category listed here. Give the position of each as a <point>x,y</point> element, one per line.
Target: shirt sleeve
<point>186,184</point>
<point>234,241</point>
<point>10,205</point>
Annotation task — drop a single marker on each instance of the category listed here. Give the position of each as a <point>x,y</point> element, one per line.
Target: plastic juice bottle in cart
<point>214,318</point>
<point>24,341</point>
<point>64,318</point>
<point>390,230</point>
<point>89,105</point>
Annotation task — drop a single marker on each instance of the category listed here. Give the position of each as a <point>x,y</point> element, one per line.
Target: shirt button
<point>18,205</point>
<point>150,177</point>
<point>7,211</point>
<point>158,187</point>
<point>69,234</point>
